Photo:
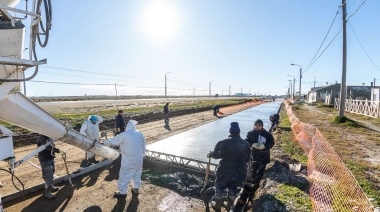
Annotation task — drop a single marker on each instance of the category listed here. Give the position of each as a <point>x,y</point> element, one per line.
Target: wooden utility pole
<point>344,65</point>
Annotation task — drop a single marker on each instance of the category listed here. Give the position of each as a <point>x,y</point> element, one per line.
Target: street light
<point>166,84</point>
<point>300,78</point>
<point>209,92</point>
<point>294,84</point>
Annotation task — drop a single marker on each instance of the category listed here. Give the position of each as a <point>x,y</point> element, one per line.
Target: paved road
<point>196,143</point>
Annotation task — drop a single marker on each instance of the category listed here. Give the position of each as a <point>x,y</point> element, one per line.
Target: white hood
<point>131,125</point>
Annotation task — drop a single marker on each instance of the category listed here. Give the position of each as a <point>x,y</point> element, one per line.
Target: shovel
<point>203,191</point>
<point>63,154</point>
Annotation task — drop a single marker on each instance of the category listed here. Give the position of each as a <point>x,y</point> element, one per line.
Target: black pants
<point>258,172</point>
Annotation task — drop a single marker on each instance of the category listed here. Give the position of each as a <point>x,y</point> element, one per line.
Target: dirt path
<point>94,192</point>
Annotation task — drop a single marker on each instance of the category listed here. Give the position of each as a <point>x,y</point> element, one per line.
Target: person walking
<point>166,112</point>
<point>132,147</point>
<point>46,159</point>
<point>90,128</point>
<point>120,122</point>
<point>261,141</point>
<point>234,153</point>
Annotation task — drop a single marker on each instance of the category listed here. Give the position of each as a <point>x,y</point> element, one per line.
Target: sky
<point>245,45</point>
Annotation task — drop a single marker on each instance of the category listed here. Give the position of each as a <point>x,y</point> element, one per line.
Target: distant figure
<point>90,128</point>
<point>261,141</point>
<point>234,153</point>
<point>166,112</point>
<point>120,122</point>
<point>216,109</point>
<point>46,158</point>
<point>132,147</point>
<point>274,119</point>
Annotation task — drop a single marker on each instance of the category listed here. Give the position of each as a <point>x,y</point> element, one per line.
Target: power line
<point>356,10</point>
<point>102,84</point>
<point>115,75</point>
<point>363,47</point>
<point>324,50</point>
<point>91,72</point>
<point>308,66</point>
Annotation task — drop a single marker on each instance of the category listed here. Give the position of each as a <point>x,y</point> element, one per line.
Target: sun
<point>160,20</point>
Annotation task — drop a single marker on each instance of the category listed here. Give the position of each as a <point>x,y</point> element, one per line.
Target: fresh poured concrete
<point>196,143</point>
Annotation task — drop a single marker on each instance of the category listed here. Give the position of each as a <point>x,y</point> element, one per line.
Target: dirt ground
<point>94,191</point>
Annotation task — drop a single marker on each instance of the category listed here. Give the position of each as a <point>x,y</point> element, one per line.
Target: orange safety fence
<point>332,185</point>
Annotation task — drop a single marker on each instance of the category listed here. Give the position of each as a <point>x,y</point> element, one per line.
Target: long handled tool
<point>203,191</point>
<point>63,154</point>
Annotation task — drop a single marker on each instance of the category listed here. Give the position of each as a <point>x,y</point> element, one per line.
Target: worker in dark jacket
<point>120,122</point>
<point>166,112</point>
<point>234,153</point>
<point>274,119</point>
<point>261,141</point>
<point>46,158</point>
<point>216,109</point>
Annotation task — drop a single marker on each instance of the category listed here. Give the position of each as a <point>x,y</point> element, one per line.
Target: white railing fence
<point>362,107</point>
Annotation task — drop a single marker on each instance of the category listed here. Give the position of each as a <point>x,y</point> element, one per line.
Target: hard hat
<point>94,118</point>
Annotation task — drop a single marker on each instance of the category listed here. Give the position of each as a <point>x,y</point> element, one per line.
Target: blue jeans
<point>48,171</point>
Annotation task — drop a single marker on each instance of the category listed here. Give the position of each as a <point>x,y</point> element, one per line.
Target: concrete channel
<point>196,143</point>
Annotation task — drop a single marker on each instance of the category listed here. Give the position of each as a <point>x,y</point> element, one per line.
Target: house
<point>328,93</point>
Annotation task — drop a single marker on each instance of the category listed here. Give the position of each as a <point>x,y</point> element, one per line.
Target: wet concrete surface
<point>196,143</point>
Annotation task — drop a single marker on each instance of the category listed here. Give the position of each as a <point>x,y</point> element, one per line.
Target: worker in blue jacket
<point>234,153</point>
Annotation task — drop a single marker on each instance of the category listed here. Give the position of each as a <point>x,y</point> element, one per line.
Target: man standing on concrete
<point>46,158</point>
<point>261,141</point>
<point>132,147</point>
<point>234,153</point>
<point>90,128</point>
<point>120,122</point>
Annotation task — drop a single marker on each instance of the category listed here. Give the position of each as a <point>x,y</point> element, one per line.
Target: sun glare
<point>160,21</point>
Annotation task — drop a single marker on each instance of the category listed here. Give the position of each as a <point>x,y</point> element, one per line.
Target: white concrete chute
<point>76,139</point>
<point>17,109</point>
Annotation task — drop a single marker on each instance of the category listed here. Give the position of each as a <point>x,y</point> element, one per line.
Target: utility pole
<point>300,83</point>
<point>374,82</point>
<point>229,91</point>
<point>166,84</point>
<point>314,82</point>
<point>209,92</point>
<point>343,85</point>
<point>290,87</point>
<point>299,96</point>
<point>294,87</point>
<point>193,91</point>
<point>116,90</point>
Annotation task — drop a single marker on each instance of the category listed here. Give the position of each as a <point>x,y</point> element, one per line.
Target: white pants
<point>90,155</point>
<point>129,170</point>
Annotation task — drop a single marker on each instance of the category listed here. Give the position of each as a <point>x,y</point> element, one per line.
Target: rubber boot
<point>230,202</point>
<point>48,193</point>
<point>217,204</point>
<point>54,188</point>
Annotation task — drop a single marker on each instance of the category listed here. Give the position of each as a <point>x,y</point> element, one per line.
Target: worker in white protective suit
<point>90,128</point>
<point>132,147</point>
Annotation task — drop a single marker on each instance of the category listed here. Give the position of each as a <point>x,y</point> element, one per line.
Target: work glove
<point>118,130</point>
<point>209,155</point>
<point>258,146</point>
<point>63,153</point>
